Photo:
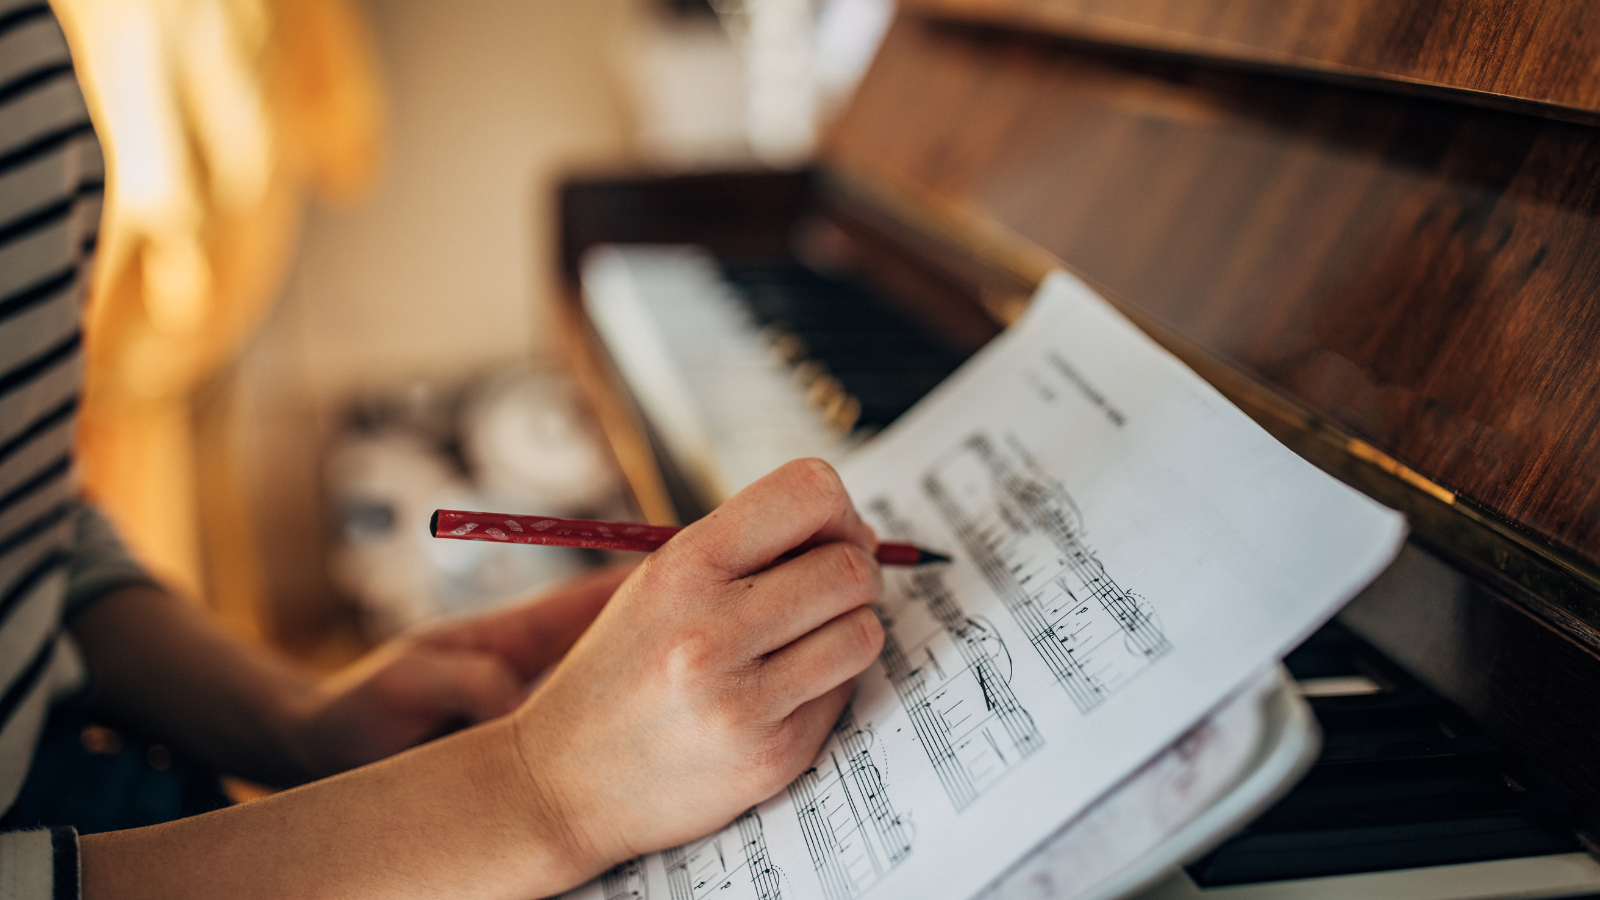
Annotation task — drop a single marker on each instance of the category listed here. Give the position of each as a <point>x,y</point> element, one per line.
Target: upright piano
<point>1372,224</point>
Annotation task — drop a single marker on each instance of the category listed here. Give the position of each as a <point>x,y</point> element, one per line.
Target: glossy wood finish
<point>1540,52</point>
<point>737,214</point>
<point>1423,274</point>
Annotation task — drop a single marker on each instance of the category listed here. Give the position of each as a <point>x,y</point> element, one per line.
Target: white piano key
<point>727,407</point>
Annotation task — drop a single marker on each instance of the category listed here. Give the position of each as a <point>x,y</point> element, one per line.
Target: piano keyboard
<point>858,359</point>
<point>739,368</point>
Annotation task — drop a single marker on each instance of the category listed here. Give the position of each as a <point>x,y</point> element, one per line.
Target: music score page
<point>1129,549</point>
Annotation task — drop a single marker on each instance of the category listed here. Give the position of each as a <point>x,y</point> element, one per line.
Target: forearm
<point>458,817</point>
<point>162,669</point>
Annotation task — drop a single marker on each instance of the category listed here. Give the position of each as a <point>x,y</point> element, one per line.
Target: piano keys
<point>743,366</point>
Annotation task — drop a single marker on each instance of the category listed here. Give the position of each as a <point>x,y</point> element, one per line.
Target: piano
<point>1373,224</point>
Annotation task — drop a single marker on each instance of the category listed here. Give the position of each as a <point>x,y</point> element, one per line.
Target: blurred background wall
<point>329,219</point>
<point>217,117</point>
<point>442,270</point>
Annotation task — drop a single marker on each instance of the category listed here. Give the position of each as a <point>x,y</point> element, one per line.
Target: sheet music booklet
<point>1130,552</point>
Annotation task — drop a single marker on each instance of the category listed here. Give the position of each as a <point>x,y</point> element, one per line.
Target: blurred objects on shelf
<point>515,440</point>
<point>761,87</point>
<point>687,85</point>
<point>847,34</point>
<point>525,441</point>
<point>442,272</point>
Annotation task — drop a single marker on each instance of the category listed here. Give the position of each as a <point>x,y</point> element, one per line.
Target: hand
<point>710,680</point>
<point>421,685</point>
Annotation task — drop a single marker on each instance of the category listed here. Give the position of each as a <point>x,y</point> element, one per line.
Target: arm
<point>455,817</point>
<point>706,683</point>
<point>162,668</point>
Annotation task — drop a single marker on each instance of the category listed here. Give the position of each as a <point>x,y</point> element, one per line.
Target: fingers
<point>821,661</point>
<point>803,594</point>
<point>810,724</point>
<point>531,636</point>
<point>477,686</point>
<point>802,501</point>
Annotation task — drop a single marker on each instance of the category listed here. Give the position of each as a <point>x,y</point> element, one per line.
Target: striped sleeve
<point>98,564</point>
<point>41,864</point>
<point>52,177</point>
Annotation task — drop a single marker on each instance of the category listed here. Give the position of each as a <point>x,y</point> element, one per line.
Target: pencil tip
<point>928,557</point>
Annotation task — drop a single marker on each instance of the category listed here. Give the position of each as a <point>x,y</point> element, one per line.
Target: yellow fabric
<point>216,117</point>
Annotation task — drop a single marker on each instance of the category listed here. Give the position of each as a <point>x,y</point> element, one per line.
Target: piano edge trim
<point>619,417</point>
<point>1116,36</point>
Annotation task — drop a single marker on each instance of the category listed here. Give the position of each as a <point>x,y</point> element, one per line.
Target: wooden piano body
<point>1374,225</point>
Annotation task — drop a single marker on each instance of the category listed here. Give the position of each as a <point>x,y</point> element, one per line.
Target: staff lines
<point>965,716</point>
<point>1025,535</point>
<point>697,871</point>
<point>852,831</point>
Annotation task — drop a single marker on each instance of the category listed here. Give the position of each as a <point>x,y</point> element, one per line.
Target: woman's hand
<point>423,684</point>
<point>707,682</point>
<point>712,677</point>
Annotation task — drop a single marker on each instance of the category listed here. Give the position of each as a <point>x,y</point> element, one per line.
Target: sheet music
<point>1129,550</point>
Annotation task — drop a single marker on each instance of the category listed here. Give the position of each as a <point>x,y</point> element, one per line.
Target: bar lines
<point>852,832</point>
<point>954,681</point>
<point>1026,536</point>
<point>733,864</point>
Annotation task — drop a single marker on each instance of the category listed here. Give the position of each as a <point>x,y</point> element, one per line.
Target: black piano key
<point>1318,796</point>
<point>878,387</point>
<point>1384,718</point>
<point>1370,808</point>
<point>831,328</point>
<point>1367,710</point>
<point>886,362</point>
<point>1362,762</point>
<point>1310,854</point>
<point>1329,653</point>
<point>1403,781</point>
<point>1349,757</point>
<point>843,344</point>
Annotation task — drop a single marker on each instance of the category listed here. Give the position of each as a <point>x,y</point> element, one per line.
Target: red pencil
<point>505,528</point>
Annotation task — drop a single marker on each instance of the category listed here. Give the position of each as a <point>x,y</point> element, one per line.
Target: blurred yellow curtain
<point>217,117</point>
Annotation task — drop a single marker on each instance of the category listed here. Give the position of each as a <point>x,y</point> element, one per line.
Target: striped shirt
<point>55,554</point>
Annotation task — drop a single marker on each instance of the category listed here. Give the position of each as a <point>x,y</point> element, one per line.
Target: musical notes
<point>625,881</point>
<point>733,864</point>
<point>952,675</point>
<point>1027,537</point>
<point>852,832</point>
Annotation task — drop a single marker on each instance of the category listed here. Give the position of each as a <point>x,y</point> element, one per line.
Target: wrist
<point>519,776</point>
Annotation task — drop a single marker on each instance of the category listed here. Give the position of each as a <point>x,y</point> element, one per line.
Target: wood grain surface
<point>1424,274</point>
<point>1535,51</point>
